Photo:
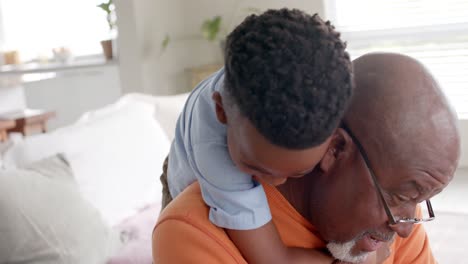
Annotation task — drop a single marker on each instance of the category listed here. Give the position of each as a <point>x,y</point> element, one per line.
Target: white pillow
<point>108,109</point>
<point>44,219</point>
<point>167,109</point>
<point>117,158</point>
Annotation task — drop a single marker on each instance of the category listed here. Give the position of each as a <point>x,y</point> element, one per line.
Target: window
<point>432,31</point>
<point>35,27</point>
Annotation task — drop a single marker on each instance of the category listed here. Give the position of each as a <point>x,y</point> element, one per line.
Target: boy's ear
<point>219,108</point>
<point>339,144</point>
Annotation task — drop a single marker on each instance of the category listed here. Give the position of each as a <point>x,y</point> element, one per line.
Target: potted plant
<point>109,8</point>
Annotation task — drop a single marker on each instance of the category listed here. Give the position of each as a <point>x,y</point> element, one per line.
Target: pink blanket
<point>136,232</point>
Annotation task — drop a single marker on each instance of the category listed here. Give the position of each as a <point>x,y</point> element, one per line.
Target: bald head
<point>400,113</point>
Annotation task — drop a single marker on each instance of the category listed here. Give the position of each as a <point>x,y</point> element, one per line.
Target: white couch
<point>116,155</point>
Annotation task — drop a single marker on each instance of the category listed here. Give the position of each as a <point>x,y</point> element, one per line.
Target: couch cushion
<point>116,157</point>
<point>166,109</point>
<point>44,218</point>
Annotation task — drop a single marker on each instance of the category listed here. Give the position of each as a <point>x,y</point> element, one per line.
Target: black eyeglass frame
<point>391,218</point>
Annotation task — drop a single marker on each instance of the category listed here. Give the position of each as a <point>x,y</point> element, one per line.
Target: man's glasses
<point>391,218</point>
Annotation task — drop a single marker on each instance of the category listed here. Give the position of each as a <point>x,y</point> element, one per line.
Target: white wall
<point>464,143</point>
<point>11,99</point>
<point>162,72</point>
<point>166,73</point>
<point>74,92</point>
<point>128,48</point>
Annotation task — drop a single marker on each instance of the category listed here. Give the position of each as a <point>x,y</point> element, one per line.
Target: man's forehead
<point>413,183</point>
<point>412,158</point>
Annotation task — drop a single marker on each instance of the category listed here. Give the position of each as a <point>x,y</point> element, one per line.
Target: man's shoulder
<point>187,205</point>
<point>184,233</point>
<point>188,208</point>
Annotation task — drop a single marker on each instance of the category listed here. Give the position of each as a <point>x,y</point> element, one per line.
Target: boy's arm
<point>264,245</point>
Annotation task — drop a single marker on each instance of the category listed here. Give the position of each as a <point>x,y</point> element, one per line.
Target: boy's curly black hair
<point>289,74</point>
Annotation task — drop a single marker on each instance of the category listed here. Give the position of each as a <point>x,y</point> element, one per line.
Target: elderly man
<point>397,147</point>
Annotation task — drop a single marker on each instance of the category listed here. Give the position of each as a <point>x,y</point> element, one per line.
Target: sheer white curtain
<point>435,32</point>
<point>34,27</point>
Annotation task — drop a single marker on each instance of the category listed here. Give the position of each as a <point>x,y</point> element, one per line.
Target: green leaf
<point>106,6</point>
<point>211,28</point>
<point>165,42</point>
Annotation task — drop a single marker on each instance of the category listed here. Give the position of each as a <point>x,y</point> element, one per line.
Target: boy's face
<point>253,154</point>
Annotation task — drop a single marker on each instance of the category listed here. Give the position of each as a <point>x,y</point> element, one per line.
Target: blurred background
<point>160,46</point>
<point>62,58</point>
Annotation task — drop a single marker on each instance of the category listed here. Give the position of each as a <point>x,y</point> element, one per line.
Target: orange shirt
<point>184,234</point>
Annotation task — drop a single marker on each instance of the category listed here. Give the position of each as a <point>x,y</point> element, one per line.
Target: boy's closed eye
<point>264,172</point>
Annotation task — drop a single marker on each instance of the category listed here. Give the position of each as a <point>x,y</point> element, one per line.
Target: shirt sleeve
<point>198,246</point>
<point>235,200</point>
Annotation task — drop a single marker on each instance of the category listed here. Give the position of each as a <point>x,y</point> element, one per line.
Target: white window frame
<point>440,33</point>
<point>360,40</point>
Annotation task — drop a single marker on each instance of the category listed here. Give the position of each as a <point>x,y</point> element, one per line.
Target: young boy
<point>266,116</point>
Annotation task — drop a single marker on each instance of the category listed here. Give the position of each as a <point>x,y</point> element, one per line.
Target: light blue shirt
<point>199,152</point>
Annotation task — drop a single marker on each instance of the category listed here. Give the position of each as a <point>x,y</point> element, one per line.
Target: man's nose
<point>402,229</point>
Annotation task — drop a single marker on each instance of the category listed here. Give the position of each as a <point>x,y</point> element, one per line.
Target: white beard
<point>342,251</point>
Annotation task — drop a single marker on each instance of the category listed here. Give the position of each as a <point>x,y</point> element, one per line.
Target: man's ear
<point>339,145</point>
<point>219,108</point>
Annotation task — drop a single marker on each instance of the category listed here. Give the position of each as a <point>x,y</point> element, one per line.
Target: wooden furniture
<point>4,126</point>
<point>28,121</point>
<point>198,74</point>
<point>11,57</point>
